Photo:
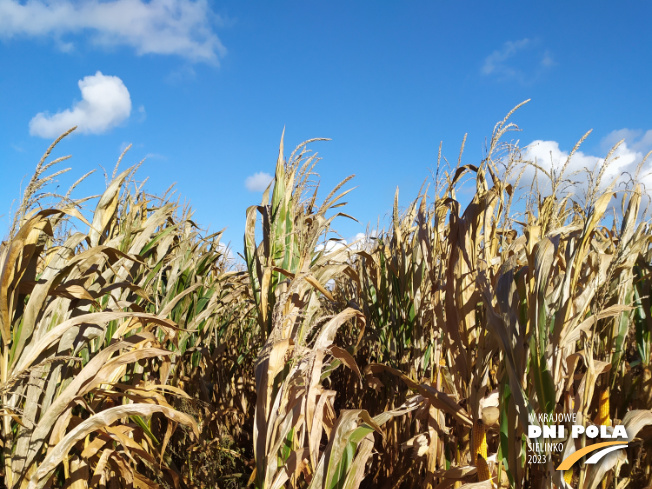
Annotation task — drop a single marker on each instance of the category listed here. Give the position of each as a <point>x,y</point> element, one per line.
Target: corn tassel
<point>479,441</point>
<point>603,409</point>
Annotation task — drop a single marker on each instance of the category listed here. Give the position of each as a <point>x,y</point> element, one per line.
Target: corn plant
<point>135,355</point>
<point>84,370</point>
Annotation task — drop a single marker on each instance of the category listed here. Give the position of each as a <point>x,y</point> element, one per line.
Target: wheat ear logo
<point>601,450</point>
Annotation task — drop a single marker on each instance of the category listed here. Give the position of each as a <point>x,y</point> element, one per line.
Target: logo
<point>550,435</point>
<point>603,449</point>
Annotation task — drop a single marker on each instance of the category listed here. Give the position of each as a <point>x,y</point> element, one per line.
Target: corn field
<point>136,354</point>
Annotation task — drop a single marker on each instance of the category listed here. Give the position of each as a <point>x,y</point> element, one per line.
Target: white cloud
<point>524,61</point>
<point>178,27</point>
<point>331,245</point>
<point>227,252</point>
<point>258,182</point>
<point>105,104</point>
<point>495,62</point>
<point>636,139</point>
<point>622,166</point>
<point>547,60</point>
<point>363,241</point>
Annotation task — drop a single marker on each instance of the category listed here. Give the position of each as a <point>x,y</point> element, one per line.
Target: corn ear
<point>483,469</point>
<point>479,441</point>
<point>603,409</point>
<point>442,364</point>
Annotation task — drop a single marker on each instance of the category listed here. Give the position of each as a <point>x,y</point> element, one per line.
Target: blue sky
<point>204,89</point>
